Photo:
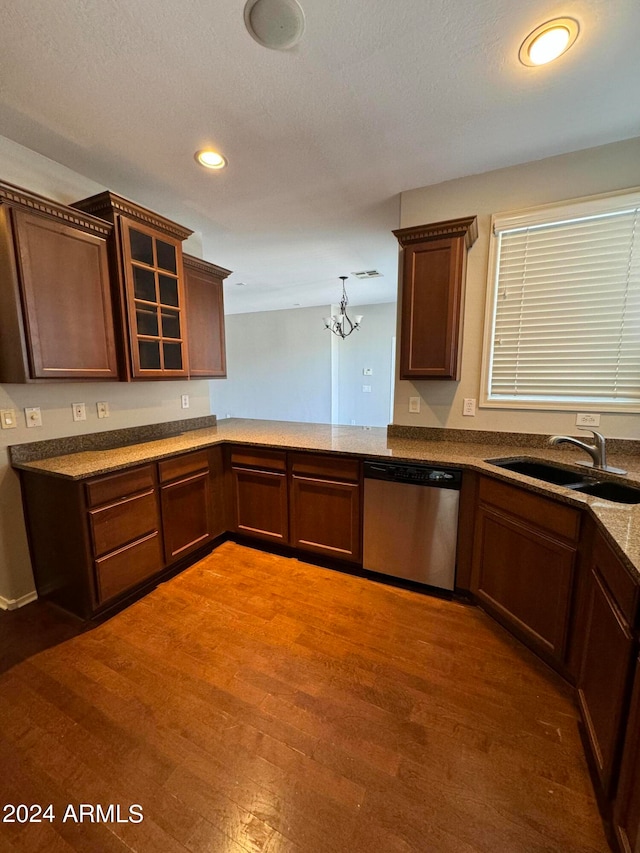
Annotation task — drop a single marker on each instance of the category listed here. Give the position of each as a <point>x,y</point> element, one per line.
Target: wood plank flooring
<point>257,703</point>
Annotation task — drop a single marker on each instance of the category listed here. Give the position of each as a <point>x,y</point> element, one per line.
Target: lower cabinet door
<point>127,567</point>
<point>325,517</point>
<point>524,578</point>
<point>627,806</point>
<point>604,680</point>
<point>260,504</point>
<point>186,515</point>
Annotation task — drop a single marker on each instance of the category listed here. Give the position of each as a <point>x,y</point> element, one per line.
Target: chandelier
<point>342,325</point>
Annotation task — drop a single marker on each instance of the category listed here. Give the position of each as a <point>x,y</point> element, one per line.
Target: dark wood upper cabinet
<point>148,287</point>
<point>55,300</point>
<point>205,317</point>
<point>433,282</point>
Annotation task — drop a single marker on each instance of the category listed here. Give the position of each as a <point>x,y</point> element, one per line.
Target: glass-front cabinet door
<point>156,302</point>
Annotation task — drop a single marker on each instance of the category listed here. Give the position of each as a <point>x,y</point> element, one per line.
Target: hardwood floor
<point>257,703</point>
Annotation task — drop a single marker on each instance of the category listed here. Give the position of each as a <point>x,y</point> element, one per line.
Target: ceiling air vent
<point>368,274</point>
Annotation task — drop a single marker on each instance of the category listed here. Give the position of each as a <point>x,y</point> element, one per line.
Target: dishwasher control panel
<point>444,478</point>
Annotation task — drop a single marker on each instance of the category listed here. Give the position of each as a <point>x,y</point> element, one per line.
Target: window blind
<point>566,323</point>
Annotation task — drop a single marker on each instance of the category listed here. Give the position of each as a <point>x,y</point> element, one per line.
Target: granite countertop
<point>620,522</point>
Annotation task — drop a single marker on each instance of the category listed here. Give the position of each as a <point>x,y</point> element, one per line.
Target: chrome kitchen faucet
<point>597,451</point>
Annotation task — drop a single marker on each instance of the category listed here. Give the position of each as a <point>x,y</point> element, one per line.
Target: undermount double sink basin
<point>606,489</point>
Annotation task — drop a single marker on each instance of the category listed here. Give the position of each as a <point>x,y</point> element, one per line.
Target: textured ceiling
<point>380,96</point>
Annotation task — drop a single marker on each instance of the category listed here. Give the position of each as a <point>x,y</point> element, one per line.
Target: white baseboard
<point>15,603</point>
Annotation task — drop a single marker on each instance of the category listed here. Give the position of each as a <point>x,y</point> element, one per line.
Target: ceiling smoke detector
<point>368,274</point>
<point>276,24</point>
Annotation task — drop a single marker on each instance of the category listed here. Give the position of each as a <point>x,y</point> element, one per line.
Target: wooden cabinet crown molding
<point>19,197</point>
<point>107,205</point>
<point>205,266</point>
<point>466,227</point>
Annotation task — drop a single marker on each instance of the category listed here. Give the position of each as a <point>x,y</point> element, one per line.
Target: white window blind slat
<point>566,324</point>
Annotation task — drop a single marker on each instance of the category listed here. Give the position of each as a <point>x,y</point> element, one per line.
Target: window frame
<point>543,214</point>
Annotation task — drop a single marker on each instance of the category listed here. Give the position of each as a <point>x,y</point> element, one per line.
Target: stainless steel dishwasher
<point>411,521</point>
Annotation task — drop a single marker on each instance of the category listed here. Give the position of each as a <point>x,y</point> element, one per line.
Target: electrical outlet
<point>33,417</point>
<point>469,407</point>
<point>102,409</point>
<point>8,419</point>
<point>184,401</point>
<point>79,411</point>
<point>367,371</point>
<point>588,420</point>
<point>414,405</point>
<point>366,388</point>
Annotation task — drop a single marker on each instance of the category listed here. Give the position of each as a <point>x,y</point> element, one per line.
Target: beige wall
<point>131,404</point>
<point>284,365</point>
<point>583,173</point>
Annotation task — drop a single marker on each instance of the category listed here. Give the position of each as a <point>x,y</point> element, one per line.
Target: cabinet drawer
<point>122,522</point>
<point>107,489</point>
<point>335,467</point>
<point>623,589</point>
<point>551,516</point>
<point>256,457</point>
<point>172,469</point>
<point>129,566</point>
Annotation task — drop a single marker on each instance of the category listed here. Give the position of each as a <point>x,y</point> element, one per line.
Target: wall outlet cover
<point>588,419</point>
<point>366,388</point>
<point>469,407</point>
<point>367,371</point>
<point>102,409</point>
<point>184,401</point>
<point>79,411</point>
<point>414,405</point>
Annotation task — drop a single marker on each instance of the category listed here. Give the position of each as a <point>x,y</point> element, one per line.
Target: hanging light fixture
<point>341,325</point>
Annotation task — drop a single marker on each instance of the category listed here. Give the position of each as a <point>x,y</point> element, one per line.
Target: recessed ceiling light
<point>210,159</point>
<point>277,24</point>
<point>549,41</point>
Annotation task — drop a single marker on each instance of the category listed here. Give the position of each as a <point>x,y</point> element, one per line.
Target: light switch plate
<point>102,409</point>
<point>367,371</point>
<point>8,419</point>
<point>33,417</point>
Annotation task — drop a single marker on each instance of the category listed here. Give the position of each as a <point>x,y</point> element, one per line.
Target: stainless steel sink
<point>608,490</point>
<point>543,471</point>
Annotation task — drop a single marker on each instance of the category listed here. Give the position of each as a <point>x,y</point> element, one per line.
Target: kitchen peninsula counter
<point>619,522</point>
